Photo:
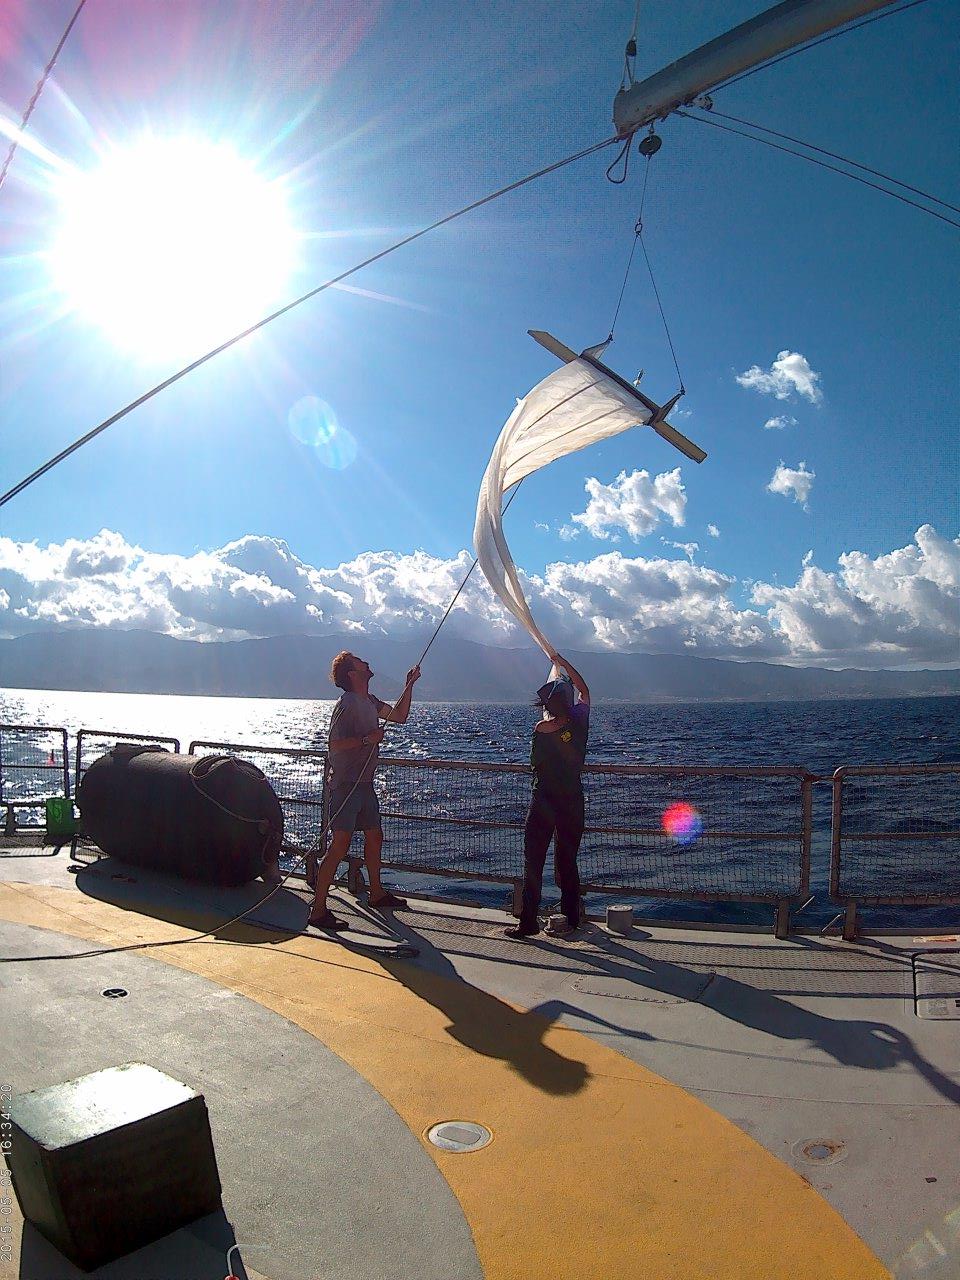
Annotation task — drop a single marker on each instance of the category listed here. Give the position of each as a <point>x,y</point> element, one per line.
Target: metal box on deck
<point>107,1163</point>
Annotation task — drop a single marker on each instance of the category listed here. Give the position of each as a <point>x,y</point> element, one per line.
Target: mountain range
<point>456,670</point>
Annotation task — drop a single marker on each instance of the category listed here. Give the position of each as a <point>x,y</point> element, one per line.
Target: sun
<point>172,246</point>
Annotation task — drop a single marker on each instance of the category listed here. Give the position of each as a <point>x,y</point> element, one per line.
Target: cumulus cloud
<point>790,374</point>
<point>792,483</point>
<point>899,609</point>
<point>634,503</point>
<point>779,423</point>
<point>713,531</point>
<point>807,558</point>
<point>689,549</point>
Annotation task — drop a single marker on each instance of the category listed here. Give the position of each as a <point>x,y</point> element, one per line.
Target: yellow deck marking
<point>599,1169</point>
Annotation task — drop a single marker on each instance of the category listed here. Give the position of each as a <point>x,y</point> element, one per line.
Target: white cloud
<point>807,558</point>
<point>689,549</point>
<point>779,423</point>
<point>713,531</point>
<point>539,524</point>
<point>633,503</point>
<point>789,374</point>
<point>793,483</point>
<point>900,609</point>
<point>568,532</point>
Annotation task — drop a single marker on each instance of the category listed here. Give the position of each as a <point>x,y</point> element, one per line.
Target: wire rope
<point>855,177</point>
<point>274,315</point>
<point>666,327</point>
<point>877,173</point>
<point>833,35</point>
<point>41,83</point>
<point>633,250</point>
<point>638,240</point>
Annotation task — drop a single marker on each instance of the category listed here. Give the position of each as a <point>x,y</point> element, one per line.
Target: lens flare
<point>314,423</point>
<point>682,823</point>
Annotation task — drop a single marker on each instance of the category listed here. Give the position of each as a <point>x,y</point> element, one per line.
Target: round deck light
<point>459,1135</point>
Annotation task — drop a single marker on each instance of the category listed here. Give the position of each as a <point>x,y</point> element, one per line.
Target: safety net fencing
<point>34,767</point>
<point>896,834</point>
<point>700,832</point>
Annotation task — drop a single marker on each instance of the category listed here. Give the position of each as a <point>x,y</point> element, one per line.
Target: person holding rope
<point>556,807</point>
<point>354,748</point>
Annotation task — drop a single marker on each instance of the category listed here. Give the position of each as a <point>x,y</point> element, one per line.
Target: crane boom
<point>784,26</point>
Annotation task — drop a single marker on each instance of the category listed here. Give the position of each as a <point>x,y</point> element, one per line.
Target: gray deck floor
<point>812,1046</point>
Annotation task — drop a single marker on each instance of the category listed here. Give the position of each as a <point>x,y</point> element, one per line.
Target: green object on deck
<point>60,816</point>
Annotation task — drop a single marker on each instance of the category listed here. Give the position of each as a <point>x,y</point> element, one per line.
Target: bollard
<point>620,919</point>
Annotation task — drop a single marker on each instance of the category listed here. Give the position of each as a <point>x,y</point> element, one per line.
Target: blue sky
<point>377,118</point>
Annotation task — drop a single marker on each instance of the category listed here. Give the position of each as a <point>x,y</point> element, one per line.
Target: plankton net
<point>577,405</point>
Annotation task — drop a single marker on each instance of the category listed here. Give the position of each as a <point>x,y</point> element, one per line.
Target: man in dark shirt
<point>354,748</point>
<point>556,807</point>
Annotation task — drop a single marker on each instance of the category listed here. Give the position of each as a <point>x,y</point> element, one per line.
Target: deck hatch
<point>936,977</point>
<point>677,989</point>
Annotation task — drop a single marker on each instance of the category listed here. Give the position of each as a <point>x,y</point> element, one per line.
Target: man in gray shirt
<point>354,747</point>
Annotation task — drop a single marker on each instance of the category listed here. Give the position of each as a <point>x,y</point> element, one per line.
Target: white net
<point>576,406</point>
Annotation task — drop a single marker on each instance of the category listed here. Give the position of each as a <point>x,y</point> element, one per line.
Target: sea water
<point>815,735</point>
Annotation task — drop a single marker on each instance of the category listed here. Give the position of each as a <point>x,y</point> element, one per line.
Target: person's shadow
<point>488,1025</point>
<point>874,1046</point>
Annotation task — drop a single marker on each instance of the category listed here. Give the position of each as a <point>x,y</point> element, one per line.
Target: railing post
<point>781,920</point>
<point>850,921</point>
<point>10,822</point>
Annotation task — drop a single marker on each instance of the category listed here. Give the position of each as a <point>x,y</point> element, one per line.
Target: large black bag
<point>211,818</point>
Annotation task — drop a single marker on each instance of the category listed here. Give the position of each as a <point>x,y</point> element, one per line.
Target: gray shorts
<point>357,810</point>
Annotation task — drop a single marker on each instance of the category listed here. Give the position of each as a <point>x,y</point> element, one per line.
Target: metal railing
<point>34,767</point>
<point>297,777</point>
<point>92,743</point>
<point>895,837</point>
<point>465,819</point>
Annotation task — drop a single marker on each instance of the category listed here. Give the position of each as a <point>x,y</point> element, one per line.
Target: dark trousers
<point>549,817</point>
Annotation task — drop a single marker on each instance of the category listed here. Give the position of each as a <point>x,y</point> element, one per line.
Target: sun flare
<point>172,246</point>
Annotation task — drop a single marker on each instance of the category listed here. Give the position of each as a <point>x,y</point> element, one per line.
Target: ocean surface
<point>818,736</point>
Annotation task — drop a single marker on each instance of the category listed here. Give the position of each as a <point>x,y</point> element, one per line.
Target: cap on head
<point>556,695</point>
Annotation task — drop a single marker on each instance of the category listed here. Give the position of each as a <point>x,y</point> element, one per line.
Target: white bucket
<point>619,919</point>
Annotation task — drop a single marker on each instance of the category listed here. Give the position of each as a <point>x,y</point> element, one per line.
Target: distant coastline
<point>458,671</point>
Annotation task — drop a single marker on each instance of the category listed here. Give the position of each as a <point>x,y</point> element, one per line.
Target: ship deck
<point>673,1103</point>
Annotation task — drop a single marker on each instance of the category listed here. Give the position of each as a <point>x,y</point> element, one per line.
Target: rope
<point>630,52</point>
<point>38,90</point>
<point>624,155</point>
<point>855,177</point>
<point>274,315</point>
<point>813,43</point>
